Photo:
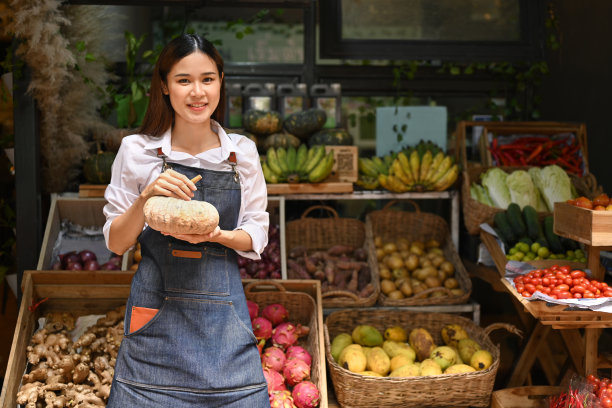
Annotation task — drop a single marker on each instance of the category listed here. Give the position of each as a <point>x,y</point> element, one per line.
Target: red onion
<point>87,255</point>
<point>70,258</point>
<point>56,266</point>
<point>109,266</point>
<point>91,265</point>
<point>74,266</point>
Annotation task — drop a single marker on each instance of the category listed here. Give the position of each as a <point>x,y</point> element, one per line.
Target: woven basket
<point>359,391</point>
<point>321,234</point>
<point>392,224</point>
<point>303,310</point>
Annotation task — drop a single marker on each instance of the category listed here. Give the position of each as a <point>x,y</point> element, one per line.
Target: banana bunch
<point>424,167</point>
<point>291,165</point>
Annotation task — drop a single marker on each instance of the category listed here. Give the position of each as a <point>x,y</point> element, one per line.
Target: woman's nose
<point>197,89</point>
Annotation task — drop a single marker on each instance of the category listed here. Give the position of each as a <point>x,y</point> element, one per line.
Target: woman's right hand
<point>170,183</point>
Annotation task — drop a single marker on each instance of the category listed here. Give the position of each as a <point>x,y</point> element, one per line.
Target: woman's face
<point>194,86</point>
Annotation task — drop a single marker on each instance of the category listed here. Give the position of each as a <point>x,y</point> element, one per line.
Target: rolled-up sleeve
<point>255,218</point>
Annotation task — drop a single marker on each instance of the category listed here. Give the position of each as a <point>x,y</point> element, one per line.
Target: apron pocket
<point>141,316</point>
<point>197,270</point>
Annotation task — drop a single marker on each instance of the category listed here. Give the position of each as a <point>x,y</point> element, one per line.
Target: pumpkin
<point>97,167</point>
<point>281,139</point>
<point>178,216</point>
<point>262,123</point>
<point>304,123</point>
<point>331,137</point>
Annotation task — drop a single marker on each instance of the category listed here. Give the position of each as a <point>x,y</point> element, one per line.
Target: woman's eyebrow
<point>203,73</point>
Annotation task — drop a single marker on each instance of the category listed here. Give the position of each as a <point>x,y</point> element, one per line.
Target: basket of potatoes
<point>416,261</point>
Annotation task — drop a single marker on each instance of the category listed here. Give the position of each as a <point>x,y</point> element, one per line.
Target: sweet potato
<point>298,270</point>
<point>339,249</point>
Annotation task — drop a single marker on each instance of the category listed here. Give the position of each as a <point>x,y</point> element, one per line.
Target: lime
<point>569,253</point>
<point>523,247</point>
<point>535,246</point>
<point>512,251</point>
<point>583,260</point>
<point>543,252</point>
<point>519,256</point>
<point>578,253</point>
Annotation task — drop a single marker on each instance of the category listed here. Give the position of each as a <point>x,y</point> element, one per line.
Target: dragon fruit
<point>300,353</point>
<point>273,358</point>
<point>262,328</point>
<point>296,371</point>
<point>284,335</point>
<point>253,309</point>
<point>275,313</point>
<point>275,380</point>
<point>306,395</point>
<point>281,399</point>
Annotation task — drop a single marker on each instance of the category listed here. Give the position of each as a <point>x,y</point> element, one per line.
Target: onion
<point>91,265</point>
<point>70,258</point>
<point>74,266</point>
<point>109,266</point>
<point>57,266</point>
<point>115,259</point>
<point>87,255</point>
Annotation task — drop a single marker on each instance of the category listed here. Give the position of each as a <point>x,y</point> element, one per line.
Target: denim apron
<point>199,349</point>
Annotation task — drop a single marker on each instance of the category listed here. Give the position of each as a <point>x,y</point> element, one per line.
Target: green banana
<point>302,155</point>
<point>322,169</point>
<point>272,160</point>
<point>319,154</point>
<point>380,165</point>
<point>269,174</point>
<point>291,159</point>
<point>281,153</point>
<point>366,167</point>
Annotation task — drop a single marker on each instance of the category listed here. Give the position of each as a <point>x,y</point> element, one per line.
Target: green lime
<point>523,247</point>
<point>569,253</point>
<point>578,253</point>
<point>543,252</point>
<point>535,246</point>
<point>512,251</point>
<point>519,256</point>
<point>583,260</point>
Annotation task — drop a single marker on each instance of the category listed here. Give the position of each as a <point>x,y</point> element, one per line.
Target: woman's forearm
<point>126,228</point>
<point>236,239</point>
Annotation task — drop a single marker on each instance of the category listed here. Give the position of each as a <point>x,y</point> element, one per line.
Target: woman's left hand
<point>197,238</point>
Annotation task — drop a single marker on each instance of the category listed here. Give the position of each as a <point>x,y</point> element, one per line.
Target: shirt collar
<point>165,141</point>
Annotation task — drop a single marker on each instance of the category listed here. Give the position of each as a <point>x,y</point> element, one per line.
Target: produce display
<point>269,266</point>
<point>304,123</point>
<point>537,187</point>
<point>71,374</point>
<point>85,260</point>
<point>397,352</point>
<point>601,389</point>
<point>304,164</point>
<point>424,167</point>
<point>286,364</point>
<point>600,203</point>
<point>340,267</point>
<point>522,150</point>
<point>529,238</point>
<point>561,282</point>
<point>410,268</point>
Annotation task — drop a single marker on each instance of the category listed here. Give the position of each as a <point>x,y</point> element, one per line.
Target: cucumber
<point>526,240</point>
<point>503,226</point>
<point>515,219</point>
<point>553,239</point>
<point>532,222</point>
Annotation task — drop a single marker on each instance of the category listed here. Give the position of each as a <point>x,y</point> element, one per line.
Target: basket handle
<point>431,290</point>
<point>322,207</point>
<point>507,326</point>
<point>263,282</point>
<point>391,203</point>
<point>340,293</point>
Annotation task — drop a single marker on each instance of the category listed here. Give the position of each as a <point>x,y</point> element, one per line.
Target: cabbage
<point>536,175</point>
<point>554,185</point>
<point>478,193</point>
<point>522,189</point>
<point>494,181</point>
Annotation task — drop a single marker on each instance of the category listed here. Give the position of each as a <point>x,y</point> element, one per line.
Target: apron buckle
<point>233,162</point>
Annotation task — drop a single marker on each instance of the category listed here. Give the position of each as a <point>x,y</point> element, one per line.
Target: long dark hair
<point>160,114</point>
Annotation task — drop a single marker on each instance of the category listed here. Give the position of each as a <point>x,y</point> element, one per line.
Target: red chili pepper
<point>533,154</point>
<point>569,167</point>
<point>34,306</point>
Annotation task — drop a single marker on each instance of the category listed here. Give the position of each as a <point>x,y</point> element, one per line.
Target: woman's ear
<point>164,89</point>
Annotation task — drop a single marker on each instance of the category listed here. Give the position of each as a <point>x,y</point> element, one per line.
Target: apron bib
<point>198,349</point>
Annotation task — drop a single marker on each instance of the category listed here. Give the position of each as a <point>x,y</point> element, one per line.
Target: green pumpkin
<point>97,167</point>
<point>304,123</point>
<point>262,123</point>
<point>280,139</point>
<point>331,137</point>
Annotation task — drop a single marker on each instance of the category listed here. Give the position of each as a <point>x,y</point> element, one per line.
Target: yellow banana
<point>398,171</point>
<point>322,170</point>
<point>318,154</point>
<point>396,185</point>
<point>415,164</point>
<point>447,179</point>
<point>405,164</point>
<point>272,160</point>
<point>434,167</point>
<point>442,169</point>
<point>382,179</point>
<point>426,161</point>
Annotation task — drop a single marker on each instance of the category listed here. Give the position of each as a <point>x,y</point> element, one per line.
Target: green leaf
<point>239,35</point>
<point>89,57</point>
<point>80,46</point>
<point>455,71</point>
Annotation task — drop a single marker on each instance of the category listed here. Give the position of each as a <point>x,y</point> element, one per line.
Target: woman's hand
<point>197,238</point>
<point>170,183</point>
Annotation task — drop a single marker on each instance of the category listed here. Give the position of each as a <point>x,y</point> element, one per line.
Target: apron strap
<point>234,163</point>
<point>165,165</point>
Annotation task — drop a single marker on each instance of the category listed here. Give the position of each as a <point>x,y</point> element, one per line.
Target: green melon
<point>304,123</point>
<point>331,137</point>
<point>280,139</point>
<point>262,123</point>
<point>97,167</point>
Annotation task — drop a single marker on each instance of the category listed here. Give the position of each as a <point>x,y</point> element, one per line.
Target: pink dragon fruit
<point>281,399</point>
<point>300,353</point>
<point>253,309</point>
<point>273,358</point>
<point>276,313</point>
<point>275,380</point>
<point>262,328</point>
<point>306,395</point>
<point>284,335</point>
<point>296,371</point>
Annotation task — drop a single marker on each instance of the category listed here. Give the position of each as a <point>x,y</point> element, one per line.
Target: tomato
<point>577,274</point>
<point>530,287</point>
<point>568,281</point>
<point>606,402</point>
<point>564,295</point>
<point>584,203</point>
<point>577,295</point>
<point>526,294</point>
<point>596,283</point>
<point>539,288</point>
<point>555,292</point>
<point>536,281</point>
<point>563,287</point>
<point>546,281</point>
<point>579,289</point>
<point>520,288</point>
<point>546,290</point>
<point>518,279</point>
<point>588,295</point>
<point>604,285</point>
<point>607,293</point>
<point>565,269</point>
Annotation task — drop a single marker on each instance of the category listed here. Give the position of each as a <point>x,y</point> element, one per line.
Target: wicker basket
<point>303,310</point>
<point>392,224</point>
<point>321,234</point>
<point>359,391</point>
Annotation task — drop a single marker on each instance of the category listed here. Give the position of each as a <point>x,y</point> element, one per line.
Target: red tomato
<point>604,285</point>
<point>536,281</point>
<point>520,288</point>
<point>518,279</point>
<point>546,281</point>
<point>596,283</point>
<point>563,287</point>
<point>588,295</point>
<point>546,290</point>
<point>579,289</point>
<point>606,402</point>
<point>565,269</point>
<point>530,287</point>
<point>526,294</point>
<point>577,295</point>
<point>607,293</point>
<point>564,295</point>
<point>577,274</point>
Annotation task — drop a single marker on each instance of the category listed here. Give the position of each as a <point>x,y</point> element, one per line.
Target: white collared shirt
<point>137,165</point>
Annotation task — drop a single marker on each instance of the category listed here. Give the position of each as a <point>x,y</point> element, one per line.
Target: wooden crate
<point>535,396</point>
<point>92,190</point>
<point>583,225</point>
<point>86,212</point>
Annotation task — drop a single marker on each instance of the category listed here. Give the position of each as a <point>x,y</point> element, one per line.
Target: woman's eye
<point>183,81</point>
<point>208,80</point>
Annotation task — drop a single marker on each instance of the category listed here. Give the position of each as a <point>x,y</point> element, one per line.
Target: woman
<point>188,338</point>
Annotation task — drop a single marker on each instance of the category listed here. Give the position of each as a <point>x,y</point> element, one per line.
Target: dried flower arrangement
<point>61,45</point>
